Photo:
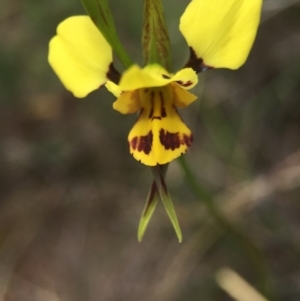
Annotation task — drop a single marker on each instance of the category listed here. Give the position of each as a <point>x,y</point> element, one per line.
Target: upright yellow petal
<point>80,55</point>
<point>221,32</point>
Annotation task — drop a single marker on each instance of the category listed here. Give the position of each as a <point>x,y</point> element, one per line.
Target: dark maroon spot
<point>113,74</point>
<point>133,143</point>
<point>163,112</point>
<point>188,139</point>
<point>145,143</point>
<point>172,140</point>
<point>196,63</point>
<point>166,76</point>
<point>146,90</point>
<point>169,140</point>
<point>156,117</point>
<point>152,105</point>
<point>184,84</point>
<point>142,143</point>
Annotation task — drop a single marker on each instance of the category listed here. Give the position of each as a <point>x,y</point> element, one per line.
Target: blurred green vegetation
<point>71,195</point>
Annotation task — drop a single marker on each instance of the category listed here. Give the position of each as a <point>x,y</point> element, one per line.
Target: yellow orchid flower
<point>220,35</point>
<point>159,135</point>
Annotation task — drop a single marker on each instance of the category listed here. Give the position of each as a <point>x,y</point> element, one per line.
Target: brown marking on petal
<point>145,143</point>
<point>133,143</point>
<point>188,139</point>
<point>173,141</point>
<point>196,63</point>
<point>169,140</point>
<point>142,143</point>
<point>112,74</point>
<point>166,76</point>
<point>184,84</point>
<point>163,112</point>
<point>152,105</point>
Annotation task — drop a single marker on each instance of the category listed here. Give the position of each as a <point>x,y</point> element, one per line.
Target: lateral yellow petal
<point>187,78</point>
<point>137,78</point>
<point>182,98</point>
<point>221,32</point>
<point>159,135</point>
<point>128,102</point>
<point>113,88</point>
<point>80,55</point>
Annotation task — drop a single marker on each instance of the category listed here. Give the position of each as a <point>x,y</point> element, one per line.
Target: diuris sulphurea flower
<point>82,59</point>
<point>159,135</point>
<point>219,34</point>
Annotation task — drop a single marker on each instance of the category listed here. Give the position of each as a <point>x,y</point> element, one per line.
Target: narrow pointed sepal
<point>166,199</point>
<point>148,211</point>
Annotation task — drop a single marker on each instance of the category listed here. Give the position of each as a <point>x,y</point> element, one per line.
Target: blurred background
<point>71,195</point>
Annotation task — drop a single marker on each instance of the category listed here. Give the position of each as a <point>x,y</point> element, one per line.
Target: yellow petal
<point>159,135</point>
<point>182,98</point>
<point>137,78</point>
<point>80,55</point>
<point>221,32</point>
<point>128,102</point>
<point>187,78</point>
